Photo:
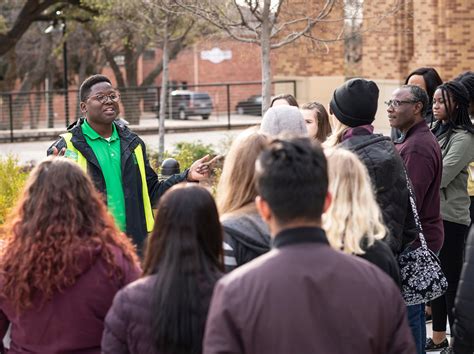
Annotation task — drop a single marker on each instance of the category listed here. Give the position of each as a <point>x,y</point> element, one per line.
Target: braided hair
<point>458,116</point>
<point>467,79</point>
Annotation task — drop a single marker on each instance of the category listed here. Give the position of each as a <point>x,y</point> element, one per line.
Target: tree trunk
<point>50,98</point>
<point>32,78</point>
<point>163,94</point>
<point>265,58</point>
<point>131,95</point>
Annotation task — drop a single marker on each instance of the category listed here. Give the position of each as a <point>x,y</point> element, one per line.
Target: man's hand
<point>202,168</point>
<point>56,152</point>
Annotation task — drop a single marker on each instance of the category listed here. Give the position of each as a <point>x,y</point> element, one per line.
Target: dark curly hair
<point>59,217</point>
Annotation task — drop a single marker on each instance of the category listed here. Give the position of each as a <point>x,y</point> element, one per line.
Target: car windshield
<point>201,96</point>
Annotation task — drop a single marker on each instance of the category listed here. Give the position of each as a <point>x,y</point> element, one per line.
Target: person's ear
<point>327,201</point>
<point>263,209</point>
<point>418,107</point>
<point>83,107</point>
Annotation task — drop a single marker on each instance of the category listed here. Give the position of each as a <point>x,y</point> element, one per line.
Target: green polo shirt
<point>107,152</point>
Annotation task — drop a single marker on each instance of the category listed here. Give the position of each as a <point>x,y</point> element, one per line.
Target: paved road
<point>36,151</point>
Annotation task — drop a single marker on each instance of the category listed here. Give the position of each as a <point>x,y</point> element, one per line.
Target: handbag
<point>420,268</point>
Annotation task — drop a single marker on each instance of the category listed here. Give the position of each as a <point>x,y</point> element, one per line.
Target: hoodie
<point>246,236</point>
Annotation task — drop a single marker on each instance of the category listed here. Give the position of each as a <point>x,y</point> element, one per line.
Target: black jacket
<point>131,179</point>
<point>386,171</point>
<point>382,256</point>
<point>464,304</point>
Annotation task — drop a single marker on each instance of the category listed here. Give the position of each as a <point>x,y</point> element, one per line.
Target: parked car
<point>252,105</point>
<point>188,103</point>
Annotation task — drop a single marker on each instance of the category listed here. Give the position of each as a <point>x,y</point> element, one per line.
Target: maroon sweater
<point>421,153</point>
<point>73,320</point>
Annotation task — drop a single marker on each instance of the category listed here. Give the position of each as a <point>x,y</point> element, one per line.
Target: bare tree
<point>31,11</point>
<point>171,28</point>
<point>128,29</point>
<point>272,24</point>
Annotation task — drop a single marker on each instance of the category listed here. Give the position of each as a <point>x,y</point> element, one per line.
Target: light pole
<point>66,84</point>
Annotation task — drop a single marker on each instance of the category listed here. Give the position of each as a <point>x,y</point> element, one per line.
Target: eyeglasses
<point>397,103</point>
<point>103,98</point>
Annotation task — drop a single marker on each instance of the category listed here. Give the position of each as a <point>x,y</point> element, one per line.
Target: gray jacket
<point>246,236</point>
<point>457,154</point>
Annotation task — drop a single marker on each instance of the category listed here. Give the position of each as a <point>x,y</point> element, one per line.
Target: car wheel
<point>240,110</point>
<point>182,114</point>
<point>205,116</point>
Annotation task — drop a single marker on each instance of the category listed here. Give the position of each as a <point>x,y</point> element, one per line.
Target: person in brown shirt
<point>303,296</point>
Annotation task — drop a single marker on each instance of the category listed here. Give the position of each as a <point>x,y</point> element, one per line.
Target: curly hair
<point>59,218</point>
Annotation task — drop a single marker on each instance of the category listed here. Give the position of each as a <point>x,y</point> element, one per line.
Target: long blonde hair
<point>236,186</point>
<point>338,130</point>
<point>354,219</point>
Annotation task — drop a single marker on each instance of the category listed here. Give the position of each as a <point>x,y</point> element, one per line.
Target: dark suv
<point>189,103</point>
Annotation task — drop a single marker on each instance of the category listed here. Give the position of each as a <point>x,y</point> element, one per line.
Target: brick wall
<point>311,58</point>
<point>436,33</point>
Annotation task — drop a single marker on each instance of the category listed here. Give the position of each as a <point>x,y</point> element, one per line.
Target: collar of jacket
<point>298,235</point>
<point>418,127</point>
<point>128,141</point>
<point>358,142</point>
<point>366,129</point>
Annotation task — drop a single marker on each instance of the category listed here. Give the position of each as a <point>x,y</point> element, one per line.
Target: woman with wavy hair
<point>353,222</point>
<point>62,263</point>
<point>166,310</point>
<point>246,235</point>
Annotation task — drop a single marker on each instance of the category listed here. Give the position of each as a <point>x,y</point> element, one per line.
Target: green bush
<point>12,179</point>
<point>185,153</point>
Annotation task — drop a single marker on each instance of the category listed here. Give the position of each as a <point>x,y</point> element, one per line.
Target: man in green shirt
<point>115,158</point>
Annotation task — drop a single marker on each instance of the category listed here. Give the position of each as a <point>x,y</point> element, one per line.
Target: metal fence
<point>43,110</point>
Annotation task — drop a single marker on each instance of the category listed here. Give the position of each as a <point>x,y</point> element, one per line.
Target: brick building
<point>436,33</point>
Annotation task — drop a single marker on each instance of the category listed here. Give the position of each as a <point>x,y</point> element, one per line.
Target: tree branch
<point>31,11</point>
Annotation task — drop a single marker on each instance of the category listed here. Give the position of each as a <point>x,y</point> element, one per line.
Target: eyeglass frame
<point>106,97</point>
<point>400,102</point>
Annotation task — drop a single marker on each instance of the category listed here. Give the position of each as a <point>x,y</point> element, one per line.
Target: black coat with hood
<point>131,180</point>
<point>386,171</point>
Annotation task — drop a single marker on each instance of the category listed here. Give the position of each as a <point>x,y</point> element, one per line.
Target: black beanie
<point>355,102</point>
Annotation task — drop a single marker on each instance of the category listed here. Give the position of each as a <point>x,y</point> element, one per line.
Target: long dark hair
<point>431,77</point>
<point>185,251</point>
<point>457,108</point>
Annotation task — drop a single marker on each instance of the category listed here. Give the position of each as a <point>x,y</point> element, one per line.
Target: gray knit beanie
<point>283,119</point>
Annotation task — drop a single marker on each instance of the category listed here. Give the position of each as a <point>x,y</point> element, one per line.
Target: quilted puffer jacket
<point>128,324</point>
<point>386,171</point>
<point>463,342</point>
